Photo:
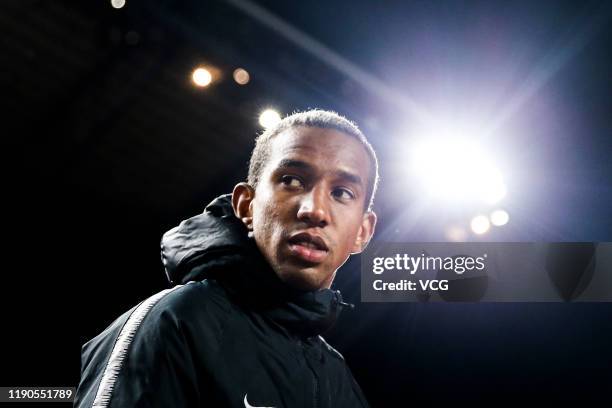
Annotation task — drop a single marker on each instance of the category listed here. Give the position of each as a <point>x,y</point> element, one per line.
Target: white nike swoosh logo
<point>247,405</point>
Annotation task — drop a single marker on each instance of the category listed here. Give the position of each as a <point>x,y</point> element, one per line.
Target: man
<point>243,328</point>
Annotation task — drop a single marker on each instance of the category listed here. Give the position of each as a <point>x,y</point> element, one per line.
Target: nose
<point>314,208</point>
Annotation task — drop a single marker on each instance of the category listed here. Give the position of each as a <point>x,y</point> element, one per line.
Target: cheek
<point>347,245</point>
<point>349,233</point>
<point>264,218</point>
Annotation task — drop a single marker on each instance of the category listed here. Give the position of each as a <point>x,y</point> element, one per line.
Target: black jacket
<point>230,335</point>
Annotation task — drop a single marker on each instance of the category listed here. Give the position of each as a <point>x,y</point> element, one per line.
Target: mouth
<point>308,247</point>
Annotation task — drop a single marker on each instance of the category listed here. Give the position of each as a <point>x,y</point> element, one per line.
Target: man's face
<point>308,210</point>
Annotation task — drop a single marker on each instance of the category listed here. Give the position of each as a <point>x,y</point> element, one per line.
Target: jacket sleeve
<point>141,360</point>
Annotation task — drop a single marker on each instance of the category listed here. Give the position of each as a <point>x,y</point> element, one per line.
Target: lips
<point>308,247</point>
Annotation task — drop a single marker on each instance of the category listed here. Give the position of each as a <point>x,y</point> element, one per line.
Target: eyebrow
<point>286,163</point>
<point>342,174</point>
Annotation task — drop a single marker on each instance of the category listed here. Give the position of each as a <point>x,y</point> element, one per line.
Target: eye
<point>343,193</point>
<point>292,181</point>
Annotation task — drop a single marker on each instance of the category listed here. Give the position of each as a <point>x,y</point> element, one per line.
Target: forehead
<point>326,150</point>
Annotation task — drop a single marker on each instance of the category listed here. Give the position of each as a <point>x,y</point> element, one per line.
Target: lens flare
<point>499,218</point>
<point>480,224</point>
<point>241,76</point>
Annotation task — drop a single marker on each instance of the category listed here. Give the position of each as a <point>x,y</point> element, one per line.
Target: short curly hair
<point>319,119</point>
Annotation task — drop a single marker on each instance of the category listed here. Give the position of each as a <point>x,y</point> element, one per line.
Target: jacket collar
<point>216,245</point>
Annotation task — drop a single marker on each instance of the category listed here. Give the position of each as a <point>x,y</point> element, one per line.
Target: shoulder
<point>161,332</point>
<point>329,350</point>
<point>193,298</point>
<point>171,310</point>
<point>192,308</point>
<point>347,392</point>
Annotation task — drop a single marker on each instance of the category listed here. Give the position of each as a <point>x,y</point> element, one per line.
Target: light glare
<point>458,171</point>
<point>480,224</point>
<point>201,77</point>
<point>269,118</point>
<point>499,218</point>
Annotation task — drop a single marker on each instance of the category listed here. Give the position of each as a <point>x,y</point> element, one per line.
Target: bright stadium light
<point>201,77</point>
<point>117,3</point>
<point>499,218</point>
<point>457,170</point>
<point>269,118</point>
<point>480,224</point>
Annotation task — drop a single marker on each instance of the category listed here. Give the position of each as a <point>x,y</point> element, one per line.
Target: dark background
<point>107,144</point>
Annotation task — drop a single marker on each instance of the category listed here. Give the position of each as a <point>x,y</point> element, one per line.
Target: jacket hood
<point>208,238</point>
<point>216,245</point>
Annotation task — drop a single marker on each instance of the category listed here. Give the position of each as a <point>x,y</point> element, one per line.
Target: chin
<point>303,279</point>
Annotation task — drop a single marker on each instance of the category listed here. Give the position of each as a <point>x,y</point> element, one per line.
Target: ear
<point>242,200</point>
<point>366,230</point>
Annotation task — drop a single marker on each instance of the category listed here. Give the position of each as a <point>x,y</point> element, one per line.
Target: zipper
<point>315,381</point>
<point>338,299</point>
